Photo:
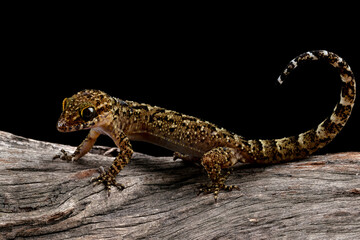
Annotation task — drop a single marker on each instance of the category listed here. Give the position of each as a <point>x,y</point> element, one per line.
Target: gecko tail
<point>304,144</point>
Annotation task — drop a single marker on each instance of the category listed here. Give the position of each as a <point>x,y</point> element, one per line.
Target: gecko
<point>193,139</point>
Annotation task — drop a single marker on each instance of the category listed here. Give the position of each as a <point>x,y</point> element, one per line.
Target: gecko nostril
<point>61,126</point>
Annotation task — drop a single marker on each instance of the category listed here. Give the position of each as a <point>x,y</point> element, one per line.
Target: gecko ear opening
<point>88,113</point>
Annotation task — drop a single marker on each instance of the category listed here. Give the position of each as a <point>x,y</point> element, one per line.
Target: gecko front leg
<point>82,149</point>
<point>108,178</point>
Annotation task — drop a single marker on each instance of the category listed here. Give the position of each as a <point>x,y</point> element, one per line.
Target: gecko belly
<point>168,143</point>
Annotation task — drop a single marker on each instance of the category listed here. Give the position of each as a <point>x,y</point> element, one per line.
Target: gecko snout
<point>61,125</point>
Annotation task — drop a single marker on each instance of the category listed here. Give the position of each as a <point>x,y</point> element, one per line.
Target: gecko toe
<point>120,186</point>
<point>215,189</point>
<point>63,155</point>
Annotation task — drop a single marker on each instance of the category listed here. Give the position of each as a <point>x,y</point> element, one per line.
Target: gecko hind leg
<point>217,163</point>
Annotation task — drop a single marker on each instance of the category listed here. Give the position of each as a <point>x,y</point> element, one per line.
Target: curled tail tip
<point>310,55</point>
<point>308,142</point>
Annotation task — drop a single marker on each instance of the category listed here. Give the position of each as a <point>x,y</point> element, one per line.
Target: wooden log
<point>42,198</point>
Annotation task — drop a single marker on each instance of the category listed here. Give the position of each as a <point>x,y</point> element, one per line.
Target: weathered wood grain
<point>41,198</point>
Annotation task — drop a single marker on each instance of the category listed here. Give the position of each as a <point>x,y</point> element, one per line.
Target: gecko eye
<point>88,113</point>
<point>64,104</point>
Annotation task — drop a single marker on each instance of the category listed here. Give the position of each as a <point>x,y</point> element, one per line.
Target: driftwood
<point>41,198</point>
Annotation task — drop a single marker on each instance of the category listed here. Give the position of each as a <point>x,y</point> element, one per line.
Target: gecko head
<point>84,110</point>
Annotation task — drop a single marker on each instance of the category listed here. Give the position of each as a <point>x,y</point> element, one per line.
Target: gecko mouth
<point>62,126</point>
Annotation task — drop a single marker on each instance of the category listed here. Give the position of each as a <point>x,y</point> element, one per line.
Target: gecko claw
<point>120,186</point>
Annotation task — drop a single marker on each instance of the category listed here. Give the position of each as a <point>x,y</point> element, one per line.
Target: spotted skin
<point>192,139</point>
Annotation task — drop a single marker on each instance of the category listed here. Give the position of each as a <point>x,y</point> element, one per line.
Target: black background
<point>221,69</point>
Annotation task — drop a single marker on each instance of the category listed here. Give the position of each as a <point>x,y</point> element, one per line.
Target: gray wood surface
<point>41,198</point>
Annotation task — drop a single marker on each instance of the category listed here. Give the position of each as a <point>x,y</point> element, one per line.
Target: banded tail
<point>296,147</point>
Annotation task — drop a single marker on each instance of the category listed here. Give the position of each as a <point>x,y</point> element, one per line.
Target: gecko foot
<point>63,155</point>
<point>108,180</point>
<point>215,189</point>
<point>216,185</point>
